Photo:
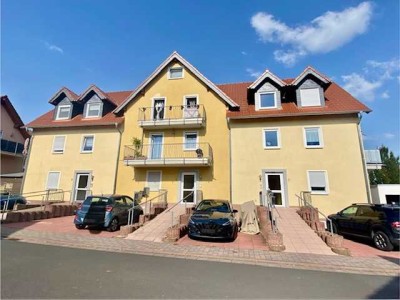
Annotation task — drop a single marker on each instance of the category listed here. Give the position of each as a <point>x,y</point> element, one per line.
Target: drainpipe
<point>366,175</point>
<point>230,160</point>
<point>117,160</point>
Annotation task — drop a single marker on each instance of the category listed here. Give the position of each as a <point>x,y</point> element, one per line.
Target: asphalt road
<point>38,271</point>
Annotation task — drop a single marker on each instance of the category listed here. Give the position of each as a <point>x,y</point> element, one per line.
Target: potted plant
<point>137,147</point>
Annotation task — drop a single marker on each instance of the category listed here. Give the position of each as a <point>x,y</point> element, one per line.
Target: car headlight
<point>229,222</point>
<point>191,221</point>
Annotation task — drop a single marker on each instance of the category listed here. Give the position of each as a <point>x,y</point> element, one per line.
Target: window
<point>87,144</point>
<point>271,138</point>
<point>93,110</point>
<point>313,137</point>
<point>318,183</point>
<point>190,141</point>
<point>350,211</point>
<point>59,144</point>
<point>266,100</point>
<point>191,108</point>
<point>158,108</point>
<point>175,73</point>
<point>63,112</point>
<point>53,179</point>
<point>154,180</point>
<point>310,97</point>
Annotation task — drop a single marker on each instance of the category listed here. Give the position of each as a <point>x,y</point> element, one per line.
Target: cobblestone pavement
<point>360,265</point>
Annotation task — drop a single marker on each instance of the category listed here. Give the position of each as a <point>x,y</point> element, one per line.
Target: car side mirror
<point>235,211</point>
<point>193,208</point>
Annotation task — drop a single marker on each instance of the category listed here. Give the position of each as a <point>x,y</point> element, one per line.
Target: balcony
<point>373,159</point>
<point>11,148</point>
<point>168,155</point>
<point>172,117</point>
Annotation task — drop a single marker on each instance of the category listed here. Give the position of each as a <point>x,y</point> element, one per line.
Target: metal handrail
<point>169,112</point>
<point>306,203</point>
<point>131,210</point>
<point>271,206</point>
<point>172,213</point>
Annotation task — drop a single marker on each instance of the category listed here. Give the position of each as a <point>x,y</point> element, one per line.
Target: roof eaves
<point>297,114</point>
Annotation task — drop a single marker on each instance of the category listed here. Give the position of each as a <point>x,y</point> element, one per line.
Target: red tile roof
<point>47,121</point>
<point>7,105</point>
<point>338,101</point>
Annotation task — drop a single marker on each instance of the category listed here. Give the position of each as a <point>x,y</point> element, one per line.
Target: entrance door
<point>188,187</point>
<point>82,184</point>
<point>274,182</point>
<point>156,146</point>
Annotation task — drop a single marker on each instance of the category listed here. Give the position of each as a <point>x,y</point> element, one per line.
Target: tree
<point>390,172</point>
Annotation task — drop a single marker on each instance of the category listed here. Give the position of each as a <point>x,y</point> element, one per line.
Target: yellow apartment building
<point>176,135</point>
<point>297,135</point>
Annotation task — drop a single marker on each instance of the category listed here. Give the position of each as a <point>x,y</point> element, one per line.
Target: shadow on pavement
<point>391,259</point>
<point>388,291</point>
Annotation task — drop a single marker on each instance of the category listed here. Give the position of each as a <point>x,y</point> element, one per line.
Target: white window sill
<point>272,148</point>
<point>86,152</point>
<point>60,152</point>
<point>314,147</point>
<point>319,193</point>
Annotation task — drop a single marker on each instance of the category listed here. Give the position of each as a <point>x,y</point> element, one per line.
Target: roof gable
<point>310,71</point>
<point>66,92</point>
<point>186,64</point>
<point>267,74</point>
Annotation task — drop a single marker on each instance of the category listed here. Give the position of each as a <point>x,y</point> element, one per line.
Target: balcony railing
<point>157,155</point>
<point>181,116</point>
<point>373,159</point>
<point>11,147</point>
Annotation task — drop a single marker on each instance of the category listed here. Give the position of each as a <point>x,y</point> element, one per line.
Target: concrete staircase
<point>156,229</point>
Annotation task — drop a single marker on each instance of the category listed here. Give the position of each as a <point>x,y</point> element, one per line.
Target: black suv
<point>378,222</point>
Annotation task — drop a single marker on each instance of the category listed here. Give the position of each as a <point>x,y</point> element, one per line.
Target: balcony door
<point>191,109</point>
<point>188,187</point>
<point>156,145</point>
<point>158,108</point>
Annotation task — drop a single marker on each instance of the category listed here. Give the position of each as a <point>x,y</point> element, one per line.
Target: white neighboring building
<point>385,193</point>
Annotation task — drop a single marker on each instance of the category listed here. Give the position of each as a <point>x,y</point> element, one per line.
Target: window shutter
<point>154,180</point>
<point>52,180</point>
<point>58,145</point>
<point>310,97</point>
<point>317,180</point>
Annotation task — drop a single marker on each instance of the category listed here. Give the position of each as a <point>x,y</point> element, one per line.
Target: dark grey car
<point>107,211</point>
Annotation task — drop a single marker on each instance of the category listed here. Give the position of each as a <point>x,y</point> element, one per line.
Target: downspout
<point>26,164</point>
<point>364,163</point>
<point>117,160</point>
<point>230,160</point>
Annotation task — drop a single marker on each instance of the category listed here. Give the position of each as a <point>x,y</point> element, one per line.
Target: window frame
<point>320,137</point>
<point>147,180</point>
<point>83,141</point>
<point>184,140</point>
<point>326,192</point>
<point>59,107</point>
<point>258,100</point>
<point>172,68</point>
<point>54,140</point>
<point>58,180</point>
<point>88,109</point>
<point>278,138</point>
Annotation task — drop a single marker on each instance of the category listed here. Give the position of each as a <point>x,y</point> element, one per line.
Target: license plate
<point>208,231</point>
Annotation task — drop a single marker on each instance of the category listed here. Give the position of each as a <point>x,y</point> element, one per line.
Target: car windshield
<point>209,206</point>
<point>96,201</point>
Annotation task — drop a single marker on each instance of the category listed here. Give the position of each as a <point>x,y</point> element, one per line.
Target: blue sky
<point>47,44</point>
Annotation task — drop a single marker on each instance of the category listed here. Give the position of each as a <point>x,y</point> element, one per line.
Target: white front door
<point>274,181</point>
<point>82,186</point>
<point>188,187</point>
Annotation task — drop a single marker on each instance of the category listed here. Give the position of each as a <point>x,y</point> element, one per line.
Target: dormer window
<point>93,110</point>
<point>310,97</point>
<point>63,112</point>
<point>175,73</point>
<point>267,100</point>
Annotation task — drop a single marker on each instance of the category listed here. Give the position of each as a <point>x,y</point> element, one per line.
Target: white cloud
<point>389,135</point>
<point>323,34</point>
<point>375,73</point>
<point>244,53</point>
<point>253,73</point>
<point>53,48</point>
<point>385,95</point>
<point>360,87</point>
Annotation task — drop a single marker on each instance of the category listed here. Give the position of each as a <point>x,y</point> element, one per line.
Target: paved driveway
<point>62,224</point>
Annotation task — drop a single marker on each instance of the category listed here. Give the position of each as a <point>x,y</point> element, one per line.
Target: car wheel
<point>113,225</point>
<point>234,236</point>
<point>382,241</point>
<point>80,226</point>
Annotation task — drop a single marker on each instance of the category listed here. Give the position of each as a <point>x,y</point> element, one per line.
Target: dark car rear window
<point>219,206</point>
<point>97,201</point>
